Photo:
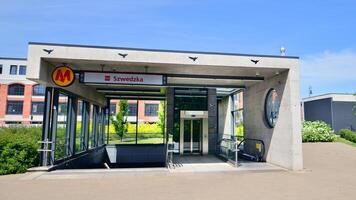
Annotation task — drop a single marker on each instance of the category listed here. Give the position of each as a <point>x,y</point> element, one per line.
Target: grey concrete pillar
<point>212,121</point>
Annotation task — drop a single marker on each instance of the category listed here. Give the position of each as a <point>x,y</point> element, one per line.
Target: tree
<point>161,115</point>
<point>120,121</point>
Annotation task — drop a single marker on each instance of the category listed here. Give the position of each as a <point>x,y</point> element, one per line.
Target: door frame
<point>191,115</point>
<point>191,136</point>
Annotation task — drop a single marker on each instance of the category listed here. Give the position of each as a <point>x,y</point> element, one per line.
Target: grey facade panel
<point>343,115</point>
<point>212,121</point>
<point>318,110</point>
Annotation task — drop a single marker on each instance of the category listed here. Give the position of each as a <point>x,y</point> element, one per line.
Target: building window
<point>37,108</point>
<point>14,107</point>
<point>132,109</point>
<point>113,109</point>
<point>0,69</point>
<point>151,110</point>
<point>38,90</point>
<point>16,89</point>
<point>22,70</point>
<point>13,69</point>
<point>62,108</point>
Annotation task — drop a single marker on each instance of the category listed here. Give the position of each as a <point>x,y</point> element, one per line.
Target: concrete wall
<point>93,158</point>
<point>83,91</point>
<point>283,142</point>
<point>134,155</point>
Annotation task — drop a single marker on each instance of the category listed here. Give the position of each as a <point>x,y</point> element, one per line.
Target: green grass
<point>342,140</point>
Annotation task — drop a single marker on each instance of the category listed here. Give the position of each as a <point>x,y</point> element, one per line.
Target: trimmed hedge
<point>317,131</point>
<point>18,149</point>
<point>348,135</point>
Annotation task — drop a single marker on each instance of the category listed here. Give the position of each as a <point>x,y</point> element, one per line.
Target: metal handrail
<point>230,149</point>
<point>261,153</point>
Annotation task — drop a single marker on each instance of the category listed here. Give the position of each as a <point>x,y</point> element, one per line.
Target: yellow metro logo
<point>63,76</point>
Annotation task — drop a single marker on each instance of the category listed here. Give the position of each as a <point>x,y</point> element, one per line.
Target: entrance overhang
<point>207,69</point>
<point>219,74</point>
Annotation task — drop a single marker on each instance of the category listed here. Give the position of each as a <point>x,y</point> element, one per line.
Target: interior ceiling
<point>226,79</point>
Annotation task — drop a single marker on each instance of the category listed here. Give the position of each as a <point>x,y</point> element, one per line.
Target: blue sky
<point>321,32</point>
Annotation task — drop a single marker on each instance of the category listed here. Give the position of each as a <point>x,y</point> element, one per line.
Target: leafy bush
<point>348,135</point>
<point>18,149</point>
<point>317,131</point>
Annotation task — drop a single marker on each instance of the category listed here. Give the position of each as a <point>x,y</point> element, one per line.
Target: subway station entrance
<point>209,104</point>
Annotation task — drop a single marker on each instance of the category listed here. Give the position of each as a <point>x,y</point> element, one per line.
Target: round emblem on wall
<point>63,76</point>
<point>272,104</point>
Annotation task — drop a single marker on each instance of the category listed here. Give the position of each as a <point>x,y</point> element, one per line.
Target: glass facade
<point>187,99</point>
<point>237,113</point>
<point>130,126</point>
<point>61,129</point>
<point>79,137</point>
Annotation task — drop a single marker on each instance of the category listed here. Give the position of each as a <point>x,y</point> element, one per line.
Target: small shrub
<point>317,131</point>
<point>18,149</point>
<point>348,135</point>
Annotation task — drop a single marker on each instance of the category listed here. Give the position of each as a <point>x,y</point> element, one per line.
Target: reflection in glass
<point>272,107</point>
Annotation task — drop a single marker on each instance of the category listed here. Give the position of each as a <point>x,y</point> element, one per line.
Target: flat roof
<point>162,50</point>
<point>347,97</point>
<point>11,58</point>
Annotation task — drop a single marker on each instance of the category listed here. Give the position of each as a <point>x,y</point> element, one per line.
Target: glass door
<point>187,136</point>
<point>192,136</point>
<point>196,135</point>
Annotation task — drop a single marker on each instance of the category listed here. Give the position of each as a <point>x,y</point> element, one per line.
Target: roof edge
<point>161,50</point>
<point>12,58</point>
<point>327,96</point>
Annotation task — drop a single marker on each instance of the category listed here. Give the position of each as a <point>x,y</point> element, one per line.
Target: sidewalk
<point>330,174</point>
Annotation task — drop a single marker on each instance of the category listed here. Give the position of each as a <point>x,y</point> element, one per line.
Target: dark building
<point>338,110</point>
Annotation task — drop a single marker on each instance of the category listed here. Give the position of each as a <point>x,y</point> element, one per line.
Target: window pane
<point>16,89</point>
<point>0,69</point>
<point>38,90</point>
<point>22,70</point>
<point>78,135</point>
<point>90,136</point>
<point>37,108</point>
<point>123,129</point>
<point>238,115</point>
<point>132,109</point>
<point>14,107</point>
<point>151,109</point>
<point>100,127</point>
<point>61,127</point>
<point>151,129</point>
<point>112,108</point>
<point>13,69</point>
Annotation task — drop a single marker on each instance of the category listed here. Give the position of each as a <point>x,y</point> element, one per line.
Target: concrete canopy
<point>209,69</point>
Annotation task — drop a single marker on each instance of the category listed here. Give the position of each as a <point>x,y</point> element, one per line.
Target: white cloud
<point>330,66</point>
<point>329,72</point>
